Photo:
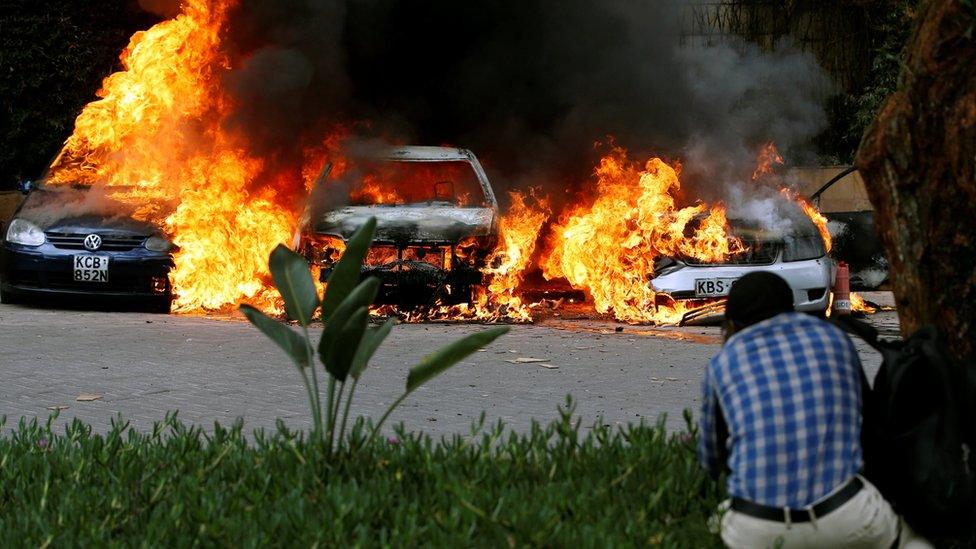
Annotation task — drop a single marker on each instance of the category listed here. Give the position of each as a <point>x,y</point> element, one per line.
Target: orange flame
<point>813,213</point>
<point>609,247</point>
<point>859,305</point>
<point>372,192</point>
<point>499,299</point>
<point>518,232</point>
<point>156,141</point>
<point>768,158</point>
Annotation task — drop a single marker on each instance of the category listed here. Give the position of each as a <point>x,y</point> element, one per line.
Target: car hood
<point>406,224</point>
<point>71,210</point>
<point>92,224</point>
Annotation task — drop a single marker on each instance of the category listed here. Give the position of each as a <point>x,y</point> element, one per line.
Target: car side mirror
<point>26,187</point>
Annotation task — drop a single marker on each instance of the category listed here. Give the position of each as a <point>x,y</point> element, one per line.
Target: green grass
<point>556,485</point>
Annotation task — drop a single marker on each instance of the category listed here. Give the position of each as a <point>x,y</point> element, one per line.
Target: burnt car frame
<point>81,255</point>
<point>429,248</point>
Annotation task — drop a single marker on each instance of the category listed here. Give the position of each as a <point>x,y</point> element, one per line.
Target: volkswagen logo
<point>93,242</point>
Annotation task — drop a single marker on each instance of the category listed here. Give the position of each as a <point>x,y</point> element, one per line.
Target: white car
<point>798,255</point>
<point>437,222</point>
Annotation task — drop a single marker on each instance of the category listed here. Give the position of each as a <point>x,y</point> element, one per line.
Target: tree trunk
<point>918,160</point>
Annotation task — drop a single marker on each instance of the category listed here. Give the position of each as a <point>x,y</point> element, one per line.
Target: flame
<point>813,213</point>
<point>156,141</point>
<point>858,304</point>
<point>412,182</point>
<point>609,247</point>
<point>499,299</point>
<point>518,233</point>
<point>373,192</point>
<point>767,159</point>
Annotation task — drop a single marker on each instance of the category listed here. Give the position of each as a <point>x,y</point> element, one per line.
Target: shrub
<point>179,486</point>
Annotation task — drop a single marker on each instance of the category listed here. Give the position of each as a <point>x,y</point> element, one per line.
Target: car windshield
<point>758,250</point>
<point>801,241</point>
<point>395,182</point>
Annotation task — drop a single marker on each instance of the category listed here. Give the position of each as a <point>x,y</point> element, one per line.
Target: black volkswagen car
<point>71,241</point>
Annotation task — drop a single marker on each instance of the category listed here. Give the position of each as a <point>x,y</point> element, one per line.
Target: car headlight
<point>158,244</point>
<point>24,232</point>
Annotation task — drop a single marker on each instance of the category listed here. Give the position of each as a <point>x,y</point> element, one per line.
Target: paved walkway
<point>143,365</point>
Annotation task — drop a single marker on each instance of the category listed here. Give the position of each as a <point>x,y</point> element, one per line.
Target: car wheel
<point>7,297</point>
<point>161,306</point>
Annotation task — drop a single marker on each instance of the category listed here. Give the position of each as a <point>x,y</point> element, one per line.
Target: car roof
<point>425,153</point>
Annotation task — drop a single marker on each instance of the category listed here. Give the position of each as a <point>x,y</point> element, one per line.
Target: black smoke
<point>530,86</point>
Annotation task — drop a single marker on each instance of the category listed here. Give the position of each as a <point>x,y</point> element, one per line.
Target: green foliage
<point>53,56</point>
<point>438,361</point>
<point>180,486</point>
<point>886,27</point>
<point>345,274</point>
<point>283,336</point>
<point>294,282</point>
<point>347,342</point>
<point>892,30</point>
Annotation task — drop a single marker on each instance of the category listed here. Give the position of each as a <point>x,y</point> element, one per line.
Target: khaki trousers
<point>866,520</point>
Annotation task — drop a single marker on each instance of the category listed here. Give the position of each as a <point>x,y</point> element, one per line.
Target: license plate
<point>713,287</point>
<point>91,268</point>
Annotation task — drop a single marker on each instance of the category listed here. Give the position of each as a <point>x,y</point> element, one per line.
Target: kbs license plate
<point>91,268</point>
<point>713,287</point>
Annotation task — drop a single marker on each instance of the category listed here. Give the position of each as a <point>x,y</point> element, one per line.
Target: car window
<point>756,251</point>
<point>395,182</point>
<point>800,247</point>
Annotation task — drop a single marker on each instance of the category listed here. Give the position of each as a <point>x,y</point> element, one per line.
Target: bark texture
<point>918,160</point>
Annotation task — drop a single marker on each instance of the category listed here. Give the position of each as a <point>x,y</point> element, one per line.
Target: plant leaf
<point>345,275</point>
<point>294,281</point>
<point>445,357</point>
<point>362,296</point>
<point>371,341</point>
<point>347,344</point>
<point>286,338</point>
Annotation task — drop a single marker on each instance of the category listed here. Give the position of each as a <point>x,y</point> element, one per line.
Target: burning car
<point>437,223</point>
<point>58,244</point>
<point>796,253</point>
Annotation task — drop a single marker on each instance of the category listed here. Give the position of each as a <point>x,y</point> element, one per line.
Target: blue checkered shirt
<point>790,394</point>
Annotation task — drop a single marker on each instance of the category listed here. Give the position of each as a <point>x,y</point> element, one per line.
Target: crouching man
<point>781,414</point>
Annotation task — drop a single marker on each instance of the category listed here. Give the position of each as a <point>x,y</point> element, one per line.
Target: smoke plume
<point>529,86</point>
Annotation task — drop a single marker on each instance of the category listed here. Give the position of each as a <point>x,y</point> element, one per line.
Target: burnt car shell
<point>47,270</point>
<point>422,252</point>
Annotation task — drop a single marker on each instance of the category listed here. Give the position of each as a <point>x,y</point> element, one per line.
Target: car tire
<point>7,297</point>
<point>161,306</point>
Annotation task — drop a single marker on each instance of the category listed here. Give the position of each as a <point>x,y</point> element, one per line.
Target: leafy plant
<point>347,342</point>
<point>552,484</point>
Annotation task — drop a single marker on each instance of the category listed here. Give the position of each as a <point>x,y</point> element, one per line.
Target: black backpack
<point>918,432</point>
